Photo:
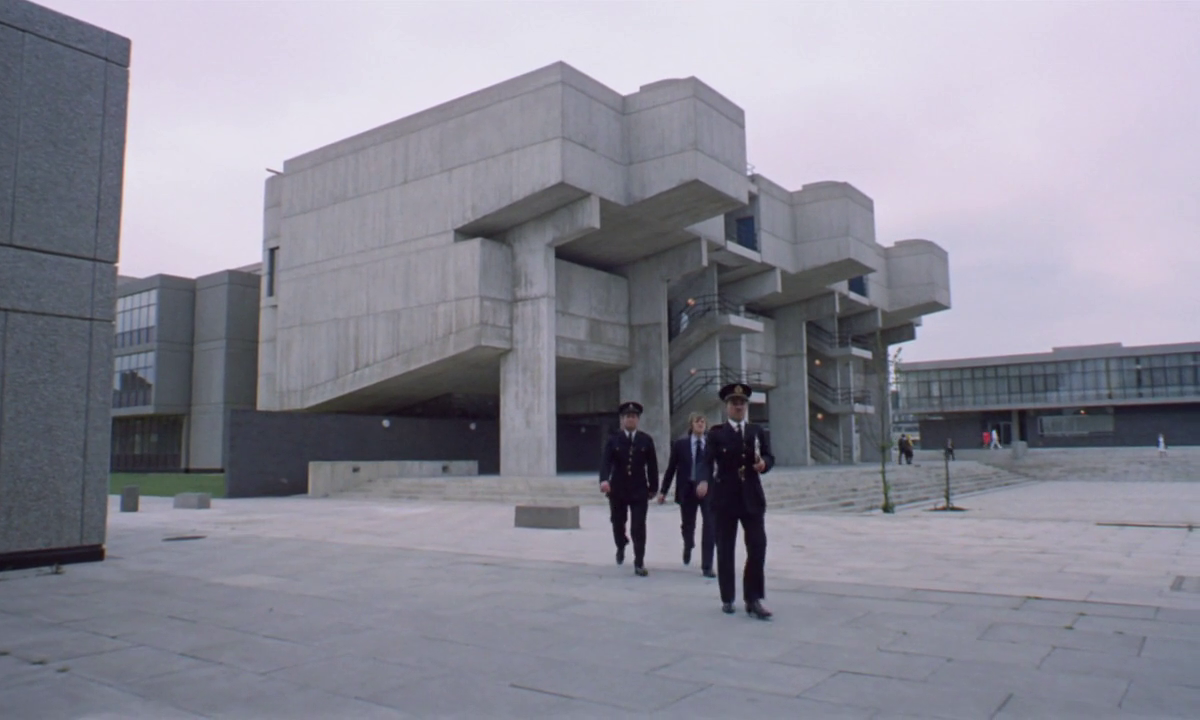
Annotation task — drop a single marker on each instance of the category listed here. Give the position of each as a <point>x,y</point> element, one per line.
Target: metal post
<point>129,498</point>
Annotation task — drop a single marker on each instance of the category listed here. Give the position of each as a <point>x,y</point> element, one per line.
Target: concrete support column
<point>648,380</point>
<point>528,415</point>
<point>788,401</point>
<point>528,377</point>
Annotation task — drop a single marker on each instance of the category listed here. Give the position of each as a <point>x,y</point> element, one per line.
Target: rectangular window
<point>133,380</point>
<point>858,285</point>
<point>272,260</point>
<point>137,316</point>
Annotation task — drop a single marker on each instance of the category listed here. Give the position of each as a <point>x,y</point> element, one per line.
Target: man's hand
<point>760,466</point>
<point>605,487</point>
<point>702,489</point>
<point>662,498</point>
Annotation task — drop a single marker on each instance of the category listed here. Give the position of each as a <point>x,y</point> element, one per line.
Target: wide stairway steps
<point>844,489</point>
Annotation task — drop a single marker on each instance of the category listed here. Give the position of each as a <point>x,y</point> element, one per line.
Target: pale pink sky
<point>1052,148</point>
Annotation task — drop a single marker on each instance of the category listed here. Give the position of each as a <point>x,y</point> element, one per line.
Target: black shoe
<point>708,573</point>
<point>640,571</point>
<point>621,555</point>
<point>727,608</point>
<point>687,556</point>
<point>756,610</point>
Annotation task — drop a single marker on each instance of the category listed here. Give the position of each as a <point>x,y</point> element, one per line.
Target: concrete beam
<point>901,334</point>
<point>862,323</point>
<point>671,265</point>
<point>559,227</point>
<point>821,307</point>
<point>754,287</point>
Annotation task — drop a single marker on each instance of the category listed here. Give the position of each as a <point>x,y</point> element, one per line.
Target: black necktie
<point>696,460</point>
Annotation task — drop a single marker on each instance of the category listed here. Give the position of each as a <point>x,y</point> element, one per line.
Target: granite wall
<point>63,91</point>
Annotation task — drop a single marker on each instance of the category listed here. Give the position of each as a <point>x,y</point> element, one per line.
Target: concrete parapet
<point>328,478</point>
<point>551,517</point>
<point>193,501</point>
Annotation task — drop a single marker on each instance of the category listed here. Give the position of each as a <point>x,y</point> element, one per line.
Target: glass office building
<point>1076,396</point>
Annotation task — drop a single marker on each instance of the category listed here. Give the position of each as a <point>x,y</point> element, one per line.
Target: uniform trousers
<point>755,535</point>
<point>636,512</point>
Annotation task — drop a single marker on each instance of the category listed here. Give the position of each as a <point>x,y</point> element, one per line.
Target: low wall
<point>329,478</point>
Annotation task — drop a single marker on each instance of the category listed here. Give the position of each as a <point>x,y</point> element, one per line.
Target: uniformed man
<point>629,477</point>
<point>740,452</point>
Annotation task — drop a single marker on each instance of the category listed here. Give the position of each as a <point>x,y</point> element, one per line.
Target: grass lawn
<point>168,484</point>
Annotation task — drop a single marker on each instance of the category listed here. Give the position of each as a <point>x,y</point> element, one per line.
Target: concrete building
<point>186,356</point>
<point>1070,397</point>
<point>63,90</point>
<point>543,248</point>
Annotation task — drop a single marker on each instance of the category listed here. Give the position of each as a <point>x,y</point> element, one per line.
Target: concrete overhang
<point>918,281</point>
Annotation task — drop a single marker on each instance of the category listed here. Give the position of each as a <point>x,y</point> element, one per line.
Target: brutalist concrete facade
<point>63,91</point>
<point>556,246</point>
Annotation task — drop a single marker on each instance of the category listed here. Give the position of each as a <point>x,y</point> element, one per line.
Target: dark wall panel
<point>268,452</point>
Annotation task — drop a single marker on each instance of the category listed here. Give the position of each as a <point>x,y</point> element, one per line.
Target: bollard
<point>129,498</point>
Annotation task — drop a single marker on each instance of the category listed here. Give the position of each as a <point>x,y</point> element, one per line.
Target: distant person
<point>987,438</point>
<point>687,459</point>
<point>1162,446</point>
<point>949,448</point>
<point>629,477</point>
<point>906,449</point>
<point>996,440</point>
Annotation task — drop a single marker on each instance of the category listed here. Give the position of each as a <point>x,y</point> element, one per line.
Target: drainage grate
<point>1186,584</point>
<point>184,537</point>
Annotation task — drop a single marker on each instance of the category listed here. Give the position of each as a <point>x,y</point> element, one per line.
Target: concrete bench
<point>193,501</point>
<point>550,517</point>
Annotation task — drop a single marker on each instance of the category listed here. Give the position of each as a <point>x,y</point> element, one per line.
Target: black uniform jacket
<point>736,484</point>
<point>631,468</point>
<point>681,463</point>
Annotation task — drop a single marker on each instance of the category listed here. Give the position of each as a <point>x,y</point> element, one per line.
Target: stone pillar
<point>647,380</point>
<point>788,401</point>
<point>528,378</point>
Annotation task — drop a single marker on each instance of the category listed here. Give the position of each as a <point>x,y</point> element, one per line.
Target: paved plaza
<point>1048,600</point>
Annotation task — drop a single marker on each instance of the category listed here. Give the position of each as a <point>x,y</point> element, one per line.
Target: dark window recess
<point>747,234</point>
<point>858,285</point>
<point>272,264</point>
<point>147,443</point>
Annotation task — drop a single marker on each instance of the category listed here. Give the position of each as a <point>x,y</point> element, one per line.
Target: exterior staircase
<point>836,489</point>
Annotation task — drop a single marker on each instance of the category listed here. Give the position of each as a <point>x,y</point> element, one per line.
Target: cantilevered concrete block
<point>193,501</point>
<point>548,517</point>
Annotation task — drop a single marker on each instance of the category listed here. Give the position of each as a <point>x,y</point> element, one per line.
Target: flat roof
<point>1069,352</point>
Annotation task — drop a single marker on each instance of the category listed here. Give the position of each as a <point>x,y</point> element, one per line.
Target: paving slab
<point>292,607</point>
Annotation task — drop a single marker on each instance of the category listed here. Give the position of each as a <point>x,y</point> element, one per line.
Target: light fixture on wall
<point>692,371</point>
<point>817,362</point>
<point>386,423</point>
<point>471,426</point>
<point>820,416</point>
<point>691,302</point>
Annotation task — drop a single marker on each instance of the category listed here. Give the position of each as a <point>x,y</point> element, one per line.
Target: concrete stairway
<point>857,488</point>
<point>846,489</point>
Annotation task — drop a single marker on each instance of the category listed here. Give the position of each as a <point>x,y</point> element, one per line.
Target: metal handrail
<point>839,340</point>
<point>824,445</point>
<point>701,380</point>
<point>697,307</point>
<point>840,396</point>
